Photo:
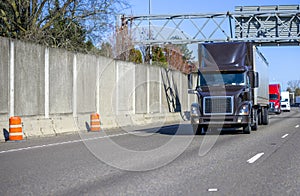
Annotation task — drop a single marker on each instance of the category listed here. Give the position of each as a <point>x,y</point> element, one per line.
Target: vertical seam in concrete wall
<point>117,88</point>
<point>148,89</point>
<point>74,85</point>
<point>98,86</point>
<point>12,79</point>
<point>133,92</point>
<point>180,93</point>
<point>160,90</point>
<point>47,83</point>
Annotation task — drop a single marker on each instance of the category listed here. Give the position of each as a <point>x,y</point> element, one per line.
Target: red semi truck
<point>274,98</point>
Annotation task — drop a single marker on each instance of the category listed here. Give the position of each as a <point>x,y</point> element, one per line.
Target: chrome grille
<point>218,105</point>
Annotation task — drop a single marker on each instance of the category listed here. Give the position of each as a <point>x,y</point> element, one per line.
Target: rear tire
<point>259,117</point>
<point>265,116</point>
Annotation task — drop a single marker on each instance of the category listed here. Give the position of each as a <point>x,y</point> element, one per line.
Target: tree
<point>297,92</point>
<point>59,23</point>
<point>135,56</point>
<point>294,84</point>
<point>106,50</point>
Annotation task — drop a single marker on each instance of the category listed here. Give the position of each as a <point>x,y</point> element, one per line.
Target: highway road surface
<point>160,161</point>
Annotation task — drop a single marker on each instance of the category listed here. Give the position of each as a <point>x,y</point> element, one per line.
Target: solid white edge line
<point>255,158</point>
<point>62,143</point>
<point>284,136</point>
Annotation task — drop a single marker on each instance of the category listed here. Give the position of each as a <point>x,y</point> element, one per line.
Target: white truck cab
<point>285,101</point>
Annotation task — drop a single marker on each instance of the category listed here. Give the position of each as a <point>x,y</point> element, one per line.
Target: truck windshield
<point>273,97</point>
<point>216,79</point>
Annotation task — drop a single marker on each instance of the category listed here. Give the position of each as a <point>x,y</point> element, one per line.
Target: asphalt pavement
<point>166,160</point>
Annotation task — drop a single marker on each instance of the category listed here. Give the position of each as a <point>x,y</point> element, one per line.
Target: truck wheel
<point>259,117</point>
<point>195,129</point>
<point>199,130</point>
<point>246,129</point>
<point>203,130</point>
<point>255,120</point>
<point>265,116</point>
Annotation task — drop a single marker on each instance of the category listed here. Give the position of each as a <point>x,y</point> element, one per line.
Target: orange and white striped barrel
<point>15,128</point>
<point>95,122</point>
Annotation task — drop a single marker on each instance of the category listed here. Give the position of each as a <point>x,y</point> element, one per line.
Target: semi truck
<point>274,98</point>
<point>285,101</point>
<point>297,101</point>
<point>232,87</point>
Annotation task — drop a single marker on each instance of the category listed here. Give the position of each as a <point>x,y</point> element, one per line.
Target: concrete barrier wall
<point>141,89</point>
<point>55,91</point>
<point>4,79</point>
<point>29,79</point>
<point>60,81</point>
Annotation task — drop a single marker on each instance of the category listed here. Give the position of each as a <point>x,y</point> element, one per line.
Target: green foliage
<point>106,50</point>
<point>294,86</point>
<point>159,57</point>
<point>70,24</point>
<point>135,56</point>
<point>187,55</point>
<point>297,92</point>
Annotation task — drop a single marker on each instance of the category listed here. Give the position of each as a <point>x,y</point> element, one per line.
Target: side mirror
<point>192,91</point>
<point>254,79</point>
<point>190,81</point>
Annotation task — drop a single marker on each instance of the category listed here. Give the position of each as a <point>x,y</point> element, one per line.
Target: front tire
<point>199,130</point>
<point>246,129</point>
<point>254,125</point>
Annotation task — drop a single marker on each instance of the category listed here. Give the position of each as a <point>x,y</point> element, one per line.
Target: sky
<point>284,61</point>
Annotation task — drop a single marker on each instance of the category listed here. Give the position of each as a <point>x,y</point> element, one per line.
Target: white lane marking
<point>255,158</point>
<point>62,143</point>
<point>297,126</point>
<point>284,136</point>
<point>212,190</point>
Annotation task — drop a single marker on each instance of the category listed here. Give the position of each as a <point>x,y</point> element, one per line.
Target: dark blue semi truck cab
<point>232,87</point>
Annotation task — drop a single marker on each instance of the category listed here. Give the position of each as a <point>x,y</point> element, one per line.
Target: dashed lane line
<point>284,136</point>
<point>255,158</point>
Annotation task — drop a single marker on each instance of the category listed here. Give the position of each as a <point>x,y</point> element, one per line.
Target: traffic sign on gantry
<point>263,25</point>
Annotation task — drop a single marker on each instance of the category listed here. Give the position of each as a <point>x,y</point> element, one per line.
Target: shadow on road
<point>186,129</point>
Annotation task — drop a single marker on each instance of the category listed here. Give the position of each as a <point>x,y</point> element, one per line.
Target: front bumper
<point>274,110</point>
<point>222,121</point>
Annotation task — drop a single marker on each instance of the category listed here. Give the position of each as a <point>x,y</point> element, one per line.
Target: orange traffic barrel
<point>15,128</point>
<point>95,122</point>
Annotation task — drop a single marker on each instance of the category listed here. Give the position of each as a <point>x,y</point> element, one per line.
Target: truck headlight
<point>244,110</point>
<point>195,111</point>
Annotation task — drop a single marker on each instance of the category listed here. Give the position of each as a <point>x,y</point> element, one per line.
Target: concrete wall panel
<point>141,89</point>
<point>86,83</point>
<point>29,79</point>
<point>4,76</point>
<point>154,102</point>
<point>125,87</point>
<point>107,86</point>
<point>61,81</point>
